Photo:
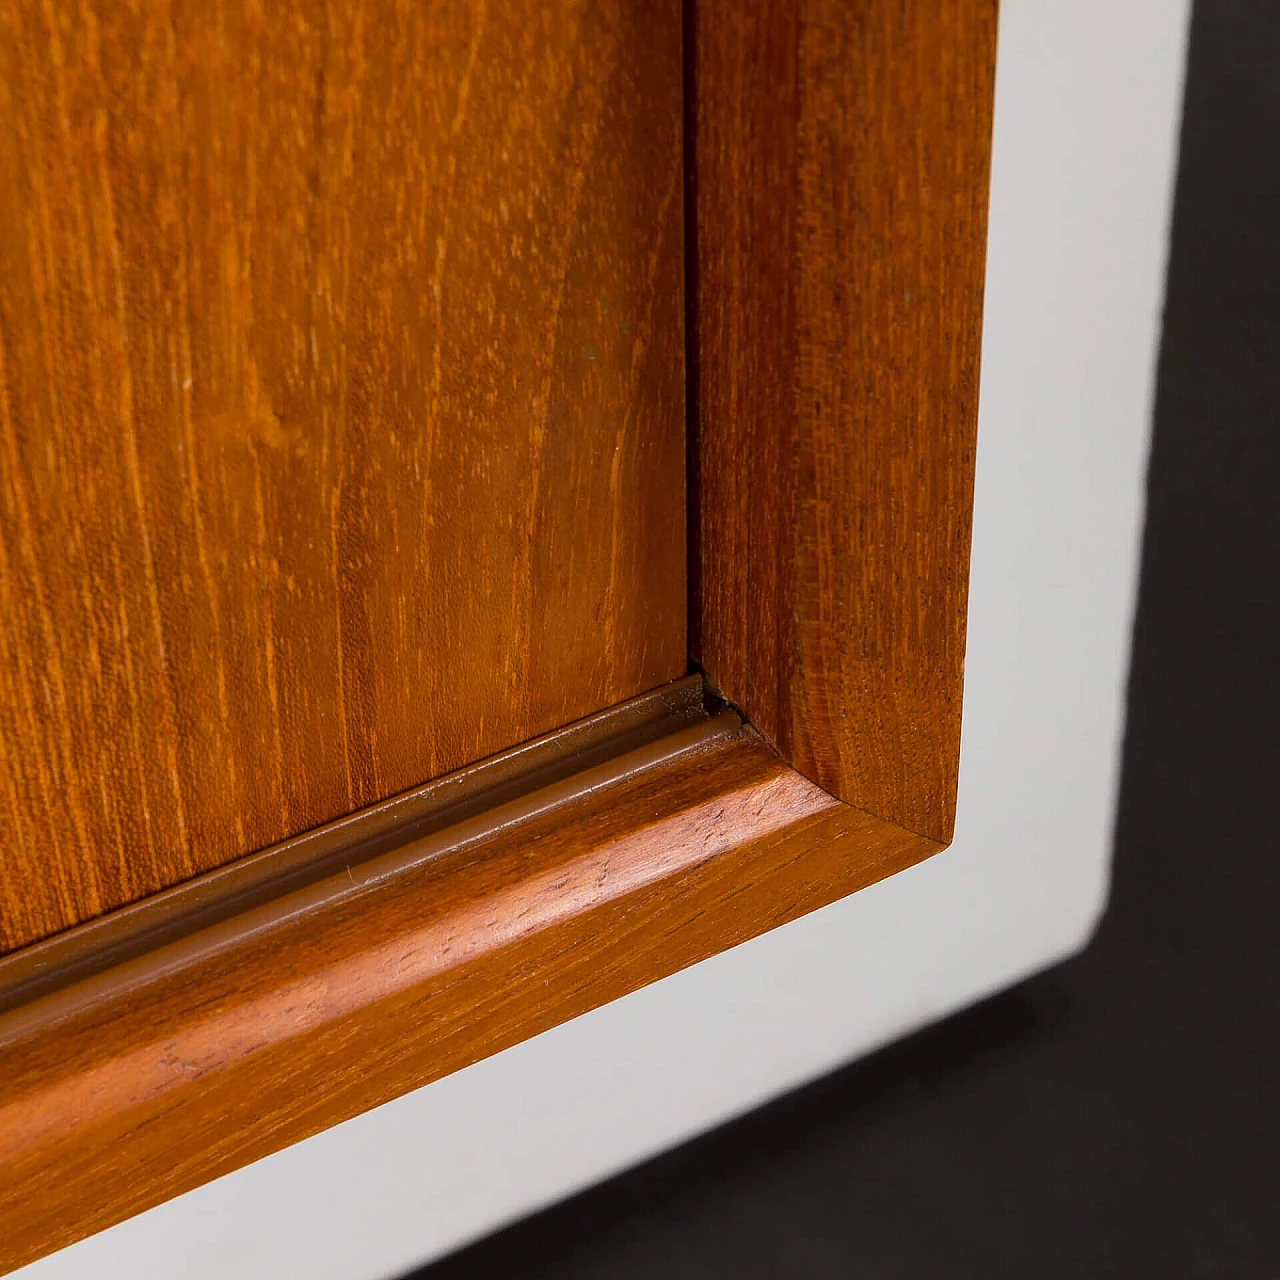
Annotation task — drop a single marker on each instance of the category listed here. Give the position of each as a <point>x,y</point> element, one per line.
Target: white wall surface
<point>1087,107</point>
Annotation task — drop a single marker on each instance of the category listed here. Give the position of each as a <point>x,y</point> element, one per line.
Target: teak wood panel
<point>341,412</point>
<point>213,1051</point>
<point>839,158</point>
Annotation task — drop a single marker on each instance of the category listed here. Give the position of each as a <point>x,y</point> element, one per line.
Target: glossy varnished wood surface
<point>341,412</point>
<point>840,157</point>
<point>224,1047</point>
<point>537,773</point>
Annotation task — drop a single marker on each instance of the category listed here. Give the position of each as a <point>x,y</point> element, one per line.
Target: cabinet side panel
<point>841,157</point>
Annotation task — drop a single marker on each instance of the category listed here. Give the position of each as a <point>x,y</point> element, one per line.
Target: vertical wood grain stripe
<point>840,156</point>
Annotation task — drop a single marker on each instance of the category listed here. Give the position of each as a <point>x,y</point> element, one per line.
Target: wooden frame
<point>223,1045</point>
<point>840,158</point>
<point>199,1030</point>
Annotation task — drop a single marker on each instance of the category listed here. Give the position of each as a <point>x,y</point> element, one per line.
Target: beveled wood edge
<point>172,1068</point>
<point>352,841</point>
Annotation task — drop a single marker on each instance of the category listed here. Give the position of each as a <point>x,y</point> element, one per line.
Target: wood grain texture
<point>839,155</point>
<point>535,773</point>
<point>208,1055</point>
<point>341,412</point>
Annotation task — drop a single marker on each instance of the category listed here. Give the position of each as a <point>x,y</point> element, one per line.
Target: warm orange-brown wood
<point>547,769</point>
<point>839,154</point>
<point>341,446</point>
<point>215,1050</point>
<point>341,412</point>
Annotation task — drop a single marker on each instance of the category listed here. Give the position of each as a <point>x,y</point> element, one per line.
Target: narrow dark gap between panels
<point>691,365</point>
